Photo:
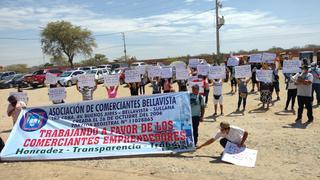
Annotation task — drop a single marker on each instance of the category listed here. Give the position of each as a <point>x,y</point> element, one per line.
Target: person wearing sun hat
<point>303,81</point>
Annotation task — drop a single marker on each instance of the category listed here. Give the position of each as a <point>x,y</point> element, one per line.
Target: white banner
<point>269,58</point>
<point>57,94</point>
<point>239,156</point>
<point>203,69</point>
<point>21,96</point>
<point>264,76</point>
<point>233,61</point>
<point>243,71</point>
<point>166,73</point>
<point>51,79</point>
<point>200,84</point>
<point>141,69</point>
<point>86,80</point>
<point>154,71</point>
<point>217,72</point>
<point>291,66</point>
<point>132,76</point>
<point>193,63</point>
<point>111,80</point>
<point>255,58</point>
<point>182,74</point>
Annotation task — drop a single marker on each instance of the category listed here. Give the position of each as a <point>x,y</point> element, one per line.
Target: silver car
<point>68,78</point>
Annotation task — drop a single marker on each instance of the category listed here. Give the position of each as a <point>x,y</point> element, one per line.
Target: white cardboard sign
<point>203,69</point>
<point>111,80</point>
<point>255,58</point>
<point>243,71</point>
<point>193,63</point>
<point>264,76</point>
<point>21,96</point>
<point>182,74</point>
<point>57,94</point>
<point>51,79</point>
<point>166,73</point>
<point>233,61</point>
<point>217,72</point>
<point>154,71</point>
<point>269,58</point>
<point>132,76</point>
<point>291,66</point>
<point>239,156</point>
<point>141,69</point>
<point>86,80</point>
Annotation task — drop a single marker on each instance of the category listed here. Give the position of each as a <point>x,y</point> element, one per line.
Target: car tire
<point>69,84</point>
<point>34,85</point>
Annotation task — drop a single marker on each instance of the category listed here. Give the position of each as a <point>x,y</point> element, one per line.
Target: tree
<point>98,59</point>
<point>19,68</point>
<point>275,49</point>
<point>59,61</point>
<point>61,37</point>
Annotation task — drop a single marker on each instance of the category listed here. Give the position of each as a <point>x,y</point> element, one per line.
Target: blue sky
<point>153,28</point>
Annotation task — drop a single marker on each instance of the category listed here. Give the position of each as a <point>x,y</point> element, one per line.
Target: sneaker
<point>238,110</point>
<point>285,109</point>
<point>215,114</point>
<point>310,121</point>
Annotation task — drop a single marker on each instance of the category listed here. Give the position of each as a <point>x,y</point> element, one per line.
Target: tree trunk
<point>71,62</point>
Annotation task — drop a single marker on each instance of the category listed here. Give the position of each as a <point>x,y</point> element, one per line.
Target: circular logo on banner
<point>33,120</point>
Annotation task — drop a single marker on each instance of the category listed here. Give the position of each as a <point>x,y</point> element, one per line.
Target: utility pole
<point>124,47</point>
<point>219,24</point>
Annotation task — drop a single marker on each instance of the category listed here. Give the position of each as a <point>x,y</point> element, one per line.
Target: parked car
<point>137,64</point>
<point>6,75</point>
<point>69,78</point>
<point>38,77</point>
<point>87,68</point>
<point>13,81</point>
<point>105,66</point>
<point>98,75</point>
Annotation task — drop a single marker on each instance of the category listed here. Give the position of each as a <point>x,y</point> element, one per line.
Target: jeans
<point>224,142</point>
<point>291,95</point>
<point>142,89</point>
<point>195,126</point>
<point>307,101</point>
<point>316,88</point>
<point>206,93</point>
<point>244,101</point>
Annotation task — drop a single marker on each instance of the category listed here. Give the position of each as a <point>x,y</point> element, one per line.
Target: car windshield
<point>18,76</point>
<point>101,67</point>
<point>93,72</point>
<point>115,71</point>
<point>66,74</point>
<point>85,68</point>
<point>38,72</point>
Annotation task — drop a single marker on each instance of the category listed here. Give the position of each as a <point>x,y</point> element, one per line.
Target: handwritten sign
<point>239,156</point>
<point>57,94</point>
<point>200,84</point>
<point>255,58</point>
<point>141,69</point>
<point>243,71</point>
<point>180,66</point>
<point>132,76</point>
<point>51,79</point>
<point>21,96</point>
<point>182,74</point>
<point>264,76</point>
<point>193,63</point>
<point>166,72</point>
<point>154,71</point>
<point>233,61</point>
<point>86,80</point>
<point>217,72</point>
<point>203,69</point>
<point>291,66</point>
<point>269,57</point>
<point>111,80</point>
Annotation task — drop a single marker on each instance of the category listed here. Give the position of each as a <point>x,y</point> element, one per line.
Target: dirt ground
<point>285,150</point>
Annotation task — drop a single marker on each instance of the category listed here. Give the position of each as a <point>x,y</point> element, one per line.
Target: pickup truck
<point>38,77</point>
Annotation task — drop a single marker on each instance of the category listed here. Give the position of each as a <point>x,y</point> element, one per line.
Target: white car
<point>138,64</point>
<point>68,78</point>
<point>106,66</point>
<point>98,74</point>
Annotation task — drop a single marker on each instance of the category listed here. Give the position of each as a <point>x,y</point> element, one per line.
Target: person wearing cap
<point>303,81</point>
<point>197,110</point>
<point>315,71</point>
<point>226,134</point>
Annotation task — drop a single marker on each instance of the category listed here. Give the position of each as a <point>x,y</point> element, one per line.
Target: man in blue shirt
<point>197,110</point>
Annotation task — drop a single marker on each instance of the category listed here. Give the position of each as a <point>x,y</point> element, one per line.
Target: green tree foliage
<point>18,68</point>
<point>59,61</point>
<point>98,59</point>
<point>62,38</point>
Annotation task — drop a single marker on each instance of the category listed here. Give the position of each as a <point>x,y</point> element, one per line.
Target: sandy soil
<point>285,150</point>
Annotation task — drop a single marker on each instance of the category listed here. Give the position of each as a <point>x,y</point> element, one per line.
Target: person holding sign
<point>291,92</point>
<point>167,87</point>
<point>266,93</point>
<point>56,101</point>
<point>134,90</point>
<point>206,88</point>
<point>156,86</point>
<point>142,85</point>
<point>197,110</point>
<point>87,92</point>
<point>227,133</point>
<point>217,96</point>
<point>182,84</point>
<point>303,81</point>
<point>112,91</point>
<point>275,78</point>
<point>243,92</point>
<point>14,108</point>
<point>233,80</point>
<point>315,71</point>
